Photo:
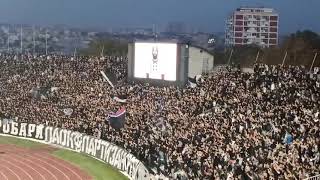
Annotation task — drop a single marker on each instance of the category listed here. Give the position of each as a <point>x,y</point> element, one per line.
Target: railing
<point>317,177</point>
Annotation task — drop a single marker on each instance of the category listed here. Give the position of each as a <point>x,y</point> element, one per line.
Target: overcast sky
<point>208,15</point>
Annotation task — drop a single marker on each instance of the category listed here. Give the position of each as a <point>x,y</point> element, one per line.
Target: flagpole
<point>102,51</point>
<point>257,57</point>
<point>106,78</point>
<point>46,42</point>
<point>34,41</point>
<point>284,58</point>
<point>8,41</point>
<point>21,50</point>
<point>314,58</point>
<point>230,56</point>
<point>75,52</point>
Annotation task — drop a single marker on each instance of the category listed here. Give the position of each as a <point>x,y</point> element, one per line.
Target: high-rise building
<point>247,26</point>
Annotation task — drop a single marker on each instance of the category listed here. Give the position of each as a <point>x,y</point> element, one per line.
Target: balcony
<point>251,37</point>
<point>251,30</point>
<point>252,19</point>
<point>251,25</point>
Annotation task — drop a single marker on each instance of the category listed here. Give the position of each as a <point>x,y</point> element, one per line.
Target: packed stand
<point>233,125</point>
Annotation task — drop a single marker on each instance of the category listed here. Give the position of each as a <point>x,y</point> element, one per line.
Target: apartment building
<point>248,26</point>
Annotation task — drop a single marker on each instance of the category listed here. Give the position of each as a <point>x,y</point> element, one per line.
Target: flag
<point>192,82</point>
<point>68,111</point>
<point>192,85</point>
<point>117,120</point>
<point>107,79</point>
<point>120,98</point>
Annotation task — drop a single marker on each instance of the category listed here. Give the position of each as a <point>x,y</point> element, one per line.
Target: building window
<point>264,29</point>
<point>273,23</point>
<point>239,22</point>
<point>273,41</point>
<point>238,40</point>
<point>273,35</point>
<point>238,34</point>
<point>273,29</point>
<point>256,17</point>
<point>273,18</point>
<point>255,34</point>
<point>239,16</point>
<point>239,28</point>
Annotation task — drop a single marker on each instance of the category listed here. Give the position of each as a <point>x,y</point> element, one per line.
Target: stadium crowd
<point>232,125</point>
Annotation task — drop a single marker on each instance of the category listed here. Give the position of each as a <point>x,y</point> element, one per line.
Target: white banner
<point>82,143</point>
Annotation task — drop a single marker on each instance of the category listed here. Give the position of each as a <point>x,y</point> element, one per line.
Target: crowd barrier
<point>79,142</point>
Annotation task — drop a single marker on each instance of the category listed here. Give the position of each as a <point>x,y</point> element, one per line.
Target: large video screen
<point>155,61</point>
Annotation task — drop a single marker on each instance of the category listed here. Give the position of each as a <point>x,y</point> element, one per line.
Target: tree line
<point>106,46</point>
<point>300,48</point>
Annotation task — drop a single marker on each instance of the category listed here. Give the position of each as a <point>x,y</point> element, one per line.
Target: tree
<point>301,47</point>
<point>272,56</point>
<point>245,55</point>
<point>109,46</point>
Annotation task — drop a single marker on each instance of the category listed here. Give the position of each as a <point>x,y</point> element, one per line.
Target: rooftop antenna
<point>46,42</point>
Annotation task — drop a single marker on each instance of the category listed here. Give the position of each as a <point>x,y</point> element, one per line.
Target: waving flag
<point>120,98</point>
<point>117,120</point>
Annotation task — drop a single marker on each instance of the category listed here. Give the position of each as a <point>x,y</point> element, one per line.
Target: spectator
<point>232,126</point>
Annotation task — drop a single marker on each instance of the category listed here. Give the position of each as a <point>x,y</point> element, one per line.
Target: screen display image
<point>155,61</point>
